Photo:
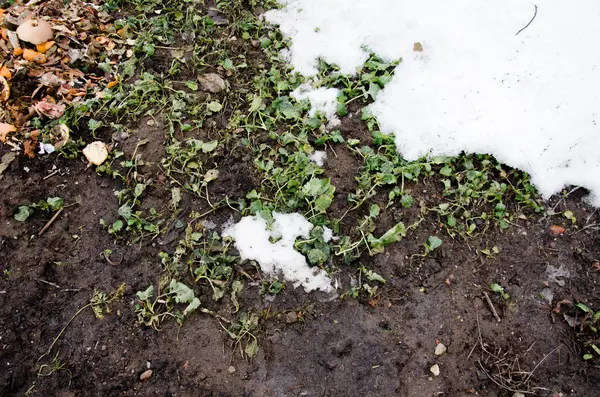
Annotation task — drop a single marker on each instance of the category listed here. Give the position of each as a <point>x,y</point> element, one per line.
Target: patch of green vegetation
<point>588,331</point>
<point>49,204</point>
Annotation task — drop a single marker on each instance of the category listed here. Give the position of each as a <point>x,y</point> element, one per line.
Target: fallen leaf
<point>212,82</point>
<point>5,72</point>
<point>418,47</point>
<point>4,89</point>
<point>28,148</point>
<point>50,110</point>
<point>17,51</point>
<point>96,152</point>
<point>557,230</point>
<point>6,129</point>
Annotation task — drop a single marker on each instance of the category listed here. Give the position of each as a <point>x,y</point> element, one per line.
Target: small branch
<point>526,26</point>
<point>50,222</point>
<point>491,305</point>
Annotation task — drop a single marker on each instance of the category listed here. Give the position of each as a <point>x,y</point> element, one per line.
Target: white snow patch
<point>529,99</point>
<point>327,234</point>
<point>319,157</point>
<point>253,241</point>
<point>321,99</point>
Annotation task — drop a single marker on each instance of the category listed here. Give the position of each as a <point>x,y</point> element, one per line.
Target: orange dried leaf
<point>28,148</point>
<point>557,230</point>
<point>4,89</point>
<point>6,129</point>
<point>17,51</point>
<point>111,84</point>
<point>34,56</point>
<point>4,34</point>
<point>5,72</point>
<point>42,48</point>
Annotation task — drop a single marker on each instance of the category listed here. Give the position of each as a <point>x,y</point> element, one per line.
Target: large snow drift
<point>529,99</point>
<point>253,240</point>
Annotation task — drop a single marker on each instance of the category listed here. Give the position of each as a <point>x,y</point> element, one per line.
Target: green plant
<point>497,288</point>
<point>48,204</point>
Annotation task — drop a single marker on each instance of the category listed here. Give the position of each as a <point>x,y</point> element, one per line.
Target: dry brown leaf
<point>557,230</point>
<point>29,148</point>
<point>418,47</point>
<point>17,51</point>
<point>4,89</point>
<point>6,129</point>
<point>50,110</point>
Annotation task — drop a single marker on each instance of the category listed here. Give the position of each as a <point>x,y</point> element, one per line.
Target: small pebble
<point>146,375</point>
<point>440,349</point>
<point>517,394</point>
<point>231,369</point>
<point>435,370</point>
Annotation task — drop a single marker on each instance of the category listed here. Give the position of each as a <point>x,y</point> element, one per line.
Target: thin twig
<point>48,282</point>
<point>491,305</point>
<point>526,26</point>
<point>50,175</point>
<point>50,222</point>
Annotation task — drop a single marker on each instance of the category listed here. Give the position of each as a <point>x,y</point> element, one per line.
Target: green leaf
<point>228,64</point>
<point>23,212</point>
<point>218,293</point>
<point>587,356</point>
<point>55,203</point>
<point>211,175</point>
<point>175,197</point>
<point>93,125</point>
<point>182,292</point>
<point>214,106</point>
<point>315,187</point>
<point>236,288</point>
<point>446,171</point>
<point>256,104</point>
<point>393,235</point>
<point>139,189</point>
<point>583,307</point>
<point>194,304</point>
<point>372,276</point>
<point>192,85</point>
<point>251,348</point>
<point>433,242</point>
<point>496,288</point>
<point>147,294</point>
<point>317,256</point>
<point>374,211</point>
<point>116,226</point>
<point>406,200</point>
<point>125,211</point>
<point>208,147</point>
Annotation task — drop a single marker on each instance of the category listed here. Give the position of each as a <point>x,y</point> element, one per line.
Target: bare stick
<point>50,222</point>
<point>526,26</point>
<point>491,305</point>
<point>48,282</point>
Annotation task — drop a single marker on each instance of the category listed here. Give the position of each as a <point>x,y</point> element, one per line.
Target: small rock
<point>440,349</point>
<point>146,375</point>
<point>291,317</point>
<point>435,369</point>
<point>212,82</point>
<point>517,394</point>
<point>202,376</point>
<point>231,369</point>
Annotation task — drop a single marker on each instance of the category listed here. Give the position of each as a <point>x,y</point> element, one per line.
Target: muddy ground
<point>309,346</point>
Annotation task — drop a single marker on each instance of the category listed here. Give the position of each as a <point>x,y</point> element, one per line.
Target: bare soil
<point>345,347</point>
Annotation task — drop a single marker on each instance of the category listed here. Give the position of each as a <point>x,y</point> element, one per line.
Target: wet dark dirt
<point>383,346</point>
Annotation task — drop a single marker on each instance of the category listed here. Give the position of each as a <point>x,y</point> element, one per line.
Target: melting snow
<point>318,157</point>
<point>530,99</point>
<point>253,240</point>
<point>321,99</point>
